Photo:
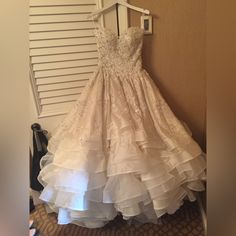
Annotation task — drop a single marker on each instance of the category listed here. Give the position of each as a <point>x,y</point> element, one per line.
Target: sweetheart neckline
<point>122,34</point>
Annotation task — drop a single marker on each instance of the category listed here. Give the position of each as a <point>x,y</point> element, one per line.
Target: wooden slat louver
<point>63,52</point>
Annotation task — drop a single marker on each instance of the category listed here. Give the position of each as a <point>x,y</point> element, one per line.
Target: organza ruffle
<point>120,150</point>
<point>87,196</point>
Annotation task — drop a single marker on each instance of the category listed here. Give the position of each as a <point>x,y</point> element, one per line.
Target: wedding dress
<point>120,150</point>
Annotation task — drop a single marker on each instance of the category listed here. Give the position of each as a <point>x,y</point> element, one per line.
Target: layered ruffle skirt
<point>120,150</point>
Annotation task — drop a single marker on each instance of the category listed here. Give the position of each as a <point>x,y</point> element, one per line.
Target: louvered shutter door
<point>63,53</point>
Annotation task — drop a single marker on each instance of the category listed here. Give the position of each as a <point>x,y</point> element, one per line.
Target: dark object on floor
<point>40,143</point>
<point>185,222</point>
<point>32,207</point>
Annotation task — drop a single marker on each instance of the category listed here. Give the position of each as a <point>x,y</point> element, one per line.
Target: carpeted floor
<point>185,222</point>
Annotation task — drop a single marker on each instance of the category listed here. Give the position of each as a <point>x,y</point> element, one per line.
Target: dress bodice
<point>120,53</point>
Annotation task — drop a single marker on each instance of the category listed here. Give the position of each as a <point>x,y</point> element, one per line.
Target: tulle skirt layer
<point>120,150</point>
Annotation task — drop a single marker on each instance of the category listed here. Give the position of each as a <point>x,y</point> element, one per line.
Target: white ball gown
<point>120,150</point>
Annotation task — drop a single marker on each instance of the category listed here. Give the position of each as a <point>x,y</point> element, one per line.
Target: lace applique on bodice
<point>120,53</point>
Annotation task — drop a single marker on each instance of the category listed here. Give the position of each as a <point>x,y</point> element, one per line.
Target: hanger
<point>97,13</point>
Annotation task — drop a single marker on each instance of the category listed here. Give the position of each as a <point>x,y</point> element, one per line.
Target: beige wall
<point>174,56</point>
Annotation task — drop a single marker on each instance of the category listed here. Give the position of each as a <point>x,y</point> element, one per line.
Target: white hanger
<point>96,14</point>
